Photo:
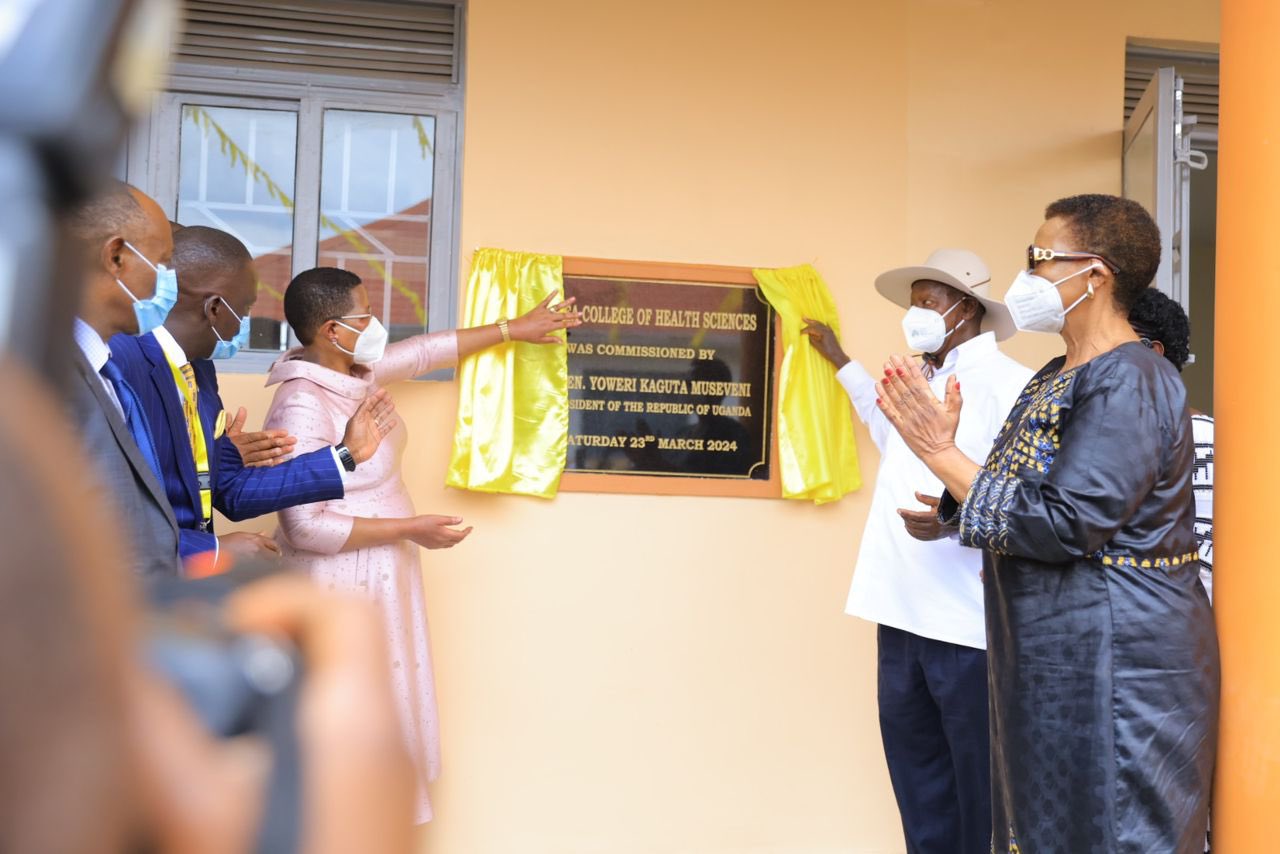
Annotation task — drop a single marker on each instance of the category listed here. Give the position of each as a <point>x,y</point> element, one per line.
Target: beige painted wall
<point>636,674</point>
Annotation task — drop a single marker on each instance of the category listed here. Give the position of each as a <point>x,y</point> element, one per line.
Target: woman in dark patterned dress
<point>1101,646</point>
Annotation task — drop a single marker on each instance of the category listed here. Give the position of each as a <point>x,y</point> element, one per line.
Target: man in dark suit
<point>127,245</point>
<point>172,371</point>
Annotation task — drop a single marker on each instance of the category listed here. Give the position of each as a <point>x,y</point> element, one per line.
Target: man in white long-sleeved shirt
<point>913,578</point>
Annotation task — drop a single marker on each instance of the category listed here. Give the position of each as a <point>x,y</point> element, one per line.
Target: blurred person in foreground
<point>96,754</point>
<point>99,754</point>
<point>368,542</point>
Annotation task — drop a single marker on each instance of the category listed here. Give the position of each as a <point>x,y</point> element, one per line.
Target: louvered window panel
<point>1199,73</point>
<point>407,40</point>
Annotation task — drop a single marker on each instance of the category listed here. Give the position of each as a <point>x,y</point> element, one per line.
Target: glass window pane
<point>375,217</point>
<point>1140,166</point>
<point>236,173</point>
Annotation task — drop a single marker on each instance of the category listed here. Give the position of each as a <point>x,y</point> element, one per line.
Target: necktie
<point>186,377</point>
<point>133,415</point>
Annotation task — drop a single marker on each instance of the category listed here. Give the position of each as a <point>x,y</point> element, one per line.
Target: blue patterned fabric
<point>238,492</point>
<point>984,517</point>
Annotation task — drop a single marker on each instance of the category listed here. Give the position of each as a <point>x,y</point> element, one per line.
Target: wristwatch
<point>344,454</point>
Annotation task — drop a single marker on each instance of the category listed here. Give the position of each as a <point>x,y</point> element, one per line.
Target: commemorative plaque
<point>669,376</point>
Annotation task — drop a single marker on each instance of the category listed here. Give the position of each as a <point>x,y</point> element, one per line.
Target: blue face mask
<point>151,313</point>
<point>227,349</point>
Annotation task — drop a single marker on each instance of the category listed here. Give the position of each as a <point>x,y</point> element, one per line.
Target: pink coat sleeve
<point>415,356</point>
<point>309,527</point>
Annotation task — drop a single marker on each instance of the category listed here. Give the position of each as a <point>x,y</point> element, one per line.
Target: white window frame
<point>153,160</point>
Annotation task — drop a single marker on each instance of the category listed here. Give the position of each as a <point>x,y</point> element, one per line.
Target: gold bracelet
<point>502,327</point>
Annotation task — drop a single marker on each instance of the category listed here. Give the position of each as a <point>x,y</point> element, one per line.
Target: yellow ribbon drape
<point>513,403</point>
<point>815,429</point>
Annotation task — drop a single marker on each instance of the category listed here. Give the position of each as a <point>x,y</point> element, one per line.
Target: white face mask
<point>371,342</point>
<point>1035,303</point>
<point>926,330</point>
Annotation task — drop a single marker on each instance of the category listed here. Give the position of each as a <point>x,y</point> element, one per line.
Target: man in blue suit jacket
<point>171,370</point>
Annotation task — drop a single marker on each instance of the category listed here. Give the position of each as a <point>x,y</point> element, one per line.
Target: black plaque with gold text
<point>670,378</point>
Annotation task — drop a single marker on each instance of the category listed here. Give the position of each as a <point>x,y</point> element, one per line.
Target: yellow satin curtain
<point>513,402</point>
<point>815,428</point>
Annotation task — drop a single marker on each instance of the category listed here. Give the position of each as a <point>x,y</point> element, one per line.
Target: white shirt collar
<point>91,344</point>
<point>971,350</point>
<point>172,349</point>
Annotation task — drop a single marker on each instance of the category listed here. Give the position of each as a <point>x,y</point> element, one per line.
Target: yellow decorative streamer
<point>512,433</point>
<point>815,428</point>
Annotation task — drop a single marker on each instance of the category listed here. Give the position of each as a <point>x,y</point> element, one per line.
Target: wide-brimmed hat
<point>956,268</point>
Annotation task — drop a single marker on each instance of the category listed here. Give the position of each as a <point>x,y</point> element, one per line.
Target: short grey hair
<point>111,211</point>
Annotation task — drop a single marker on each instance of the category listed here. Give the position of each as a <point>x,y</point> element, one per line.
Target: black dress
<point>1101,648</point>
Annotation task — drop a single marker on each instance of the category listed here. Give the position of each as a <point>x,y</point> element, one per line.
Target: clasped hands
<point>926,424</point>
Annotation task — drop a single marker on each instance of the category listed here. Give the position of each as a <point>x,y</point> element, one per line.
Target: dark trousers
<point>933,720</point>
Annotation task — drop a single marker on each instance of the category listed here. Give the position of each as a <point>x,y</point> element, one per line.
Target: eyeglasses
<point>1036,254</point>
<point>1148,343</point>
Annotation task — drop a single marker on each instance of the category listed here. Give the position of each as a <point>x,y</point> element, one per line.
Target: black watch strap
<point>344,454</point>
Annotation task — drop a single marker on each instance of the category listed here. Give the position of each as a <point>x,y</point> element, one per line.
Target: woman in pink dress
<point>367,542</point>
